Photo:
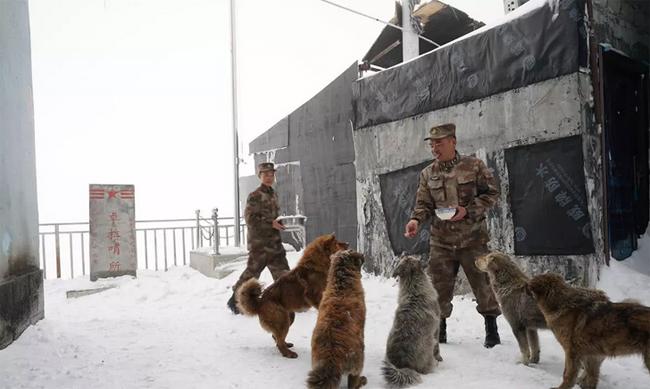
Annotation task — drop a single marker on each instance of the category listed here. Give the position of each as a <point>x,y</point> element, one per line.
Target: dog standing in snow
<point>412,347</point>
<point>588,329</point>
<point>337,344</point>
<point>295,291</point>
<point>520,309</point>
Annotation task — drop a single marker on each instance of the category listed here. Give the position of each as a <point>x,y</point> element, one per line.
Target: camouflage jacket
<point>465,181</point>
<point>262,207</point>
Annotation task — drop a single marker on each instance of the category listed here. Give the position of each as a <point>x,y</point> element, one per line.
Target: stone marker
<point>112,231</point>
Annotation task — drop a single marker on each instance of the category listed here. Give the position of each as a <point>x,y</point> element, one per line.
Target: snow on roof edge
<point>528,7</point>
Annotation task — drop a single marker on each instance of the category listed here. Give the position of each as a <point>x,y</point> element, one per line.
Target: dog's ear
<point>529,291</point>
<point>340,256</point>
<point>359,260</point>
<point>496,256</point>
<point>344,254</point>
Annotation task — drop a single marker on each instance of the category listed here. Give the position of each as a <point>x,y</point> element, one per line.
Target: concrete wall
<point>624,24</point>
<point>21,287</point>
<point>313,150</point>
<point>547,110</point>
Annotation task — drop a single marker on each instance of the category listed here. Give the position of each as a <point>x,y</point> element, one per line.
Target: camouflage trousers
<point>271,255</point>
<point>443,269</point>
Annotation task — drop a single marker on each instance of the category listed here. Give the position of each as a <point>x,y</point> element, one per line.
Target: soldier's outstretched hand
<point>411,228</point>
<point>278,226</point>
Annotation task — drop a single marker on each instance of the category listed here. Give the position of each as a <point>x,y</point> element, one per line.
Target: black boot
<point>232,304</point>
<point>491,332</point>
<point>442,335</point>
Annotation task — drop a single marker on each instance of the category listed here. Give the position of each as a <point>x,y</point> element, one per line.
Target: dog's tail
<point>399,378</point>
<point>248,297</point>
<point>325,375</point>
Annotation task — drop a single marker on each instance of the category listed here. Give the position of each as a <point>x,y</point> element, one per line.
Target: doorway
<point>625,103</point>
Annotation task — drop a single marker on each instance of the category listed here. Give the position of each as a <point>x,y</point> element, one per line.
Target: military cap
<point>442,131</point>
<point>265,167</point>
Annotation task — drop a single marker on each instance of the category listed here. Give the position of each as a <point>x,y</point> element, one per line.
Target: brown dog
<point>590,330</point>
<point>296,291</point>
<point>337,346</point>
<point>518,307</point>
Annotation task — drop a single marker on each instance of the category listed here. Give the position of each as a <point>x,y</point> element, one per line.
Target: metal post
<point>235,136</point>
<point>198,228</point>
<point>410,43</point>
<point>44,257</point>
<point>83,255</point>
<point>57,247</point>
<point>71,257</point>
<point>146,252</point>
<point>155,247</point>
<point>183,231</point>
<point>164,230</point>
<point>215,220</point>
<point>174,236</point>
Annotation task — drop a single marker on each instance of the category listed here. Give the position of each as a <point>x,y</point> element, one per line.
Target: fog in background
<point>138,91</point>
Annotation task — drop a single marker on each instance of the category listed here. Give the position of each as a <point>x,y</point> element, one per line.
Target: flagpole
<point>235,136</point>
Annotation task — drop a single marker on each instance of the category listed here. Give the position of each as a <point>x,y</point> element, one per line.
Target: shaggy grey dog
<point>412,347</point>
<point>519,307</point>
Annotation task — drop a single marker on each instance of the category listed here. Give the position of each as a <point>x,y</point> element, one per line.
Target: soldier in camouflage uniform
<point>264,243</point>
<point>462,182</point>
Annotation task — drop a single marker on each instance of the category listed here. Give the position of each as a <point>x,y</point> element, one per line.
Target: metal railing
<point>64,247</point>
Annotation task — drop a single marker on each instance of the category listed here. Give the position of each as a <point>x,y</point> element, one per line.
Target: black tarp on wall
<point>398,189</point>
<point>534,47</point>
<point>548,198</point>
<point>318,138</point>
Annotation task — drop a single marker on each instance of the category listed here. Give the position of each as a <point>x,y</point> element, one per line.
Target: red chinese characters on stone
<point>114,248</point>
<point>114,236</point>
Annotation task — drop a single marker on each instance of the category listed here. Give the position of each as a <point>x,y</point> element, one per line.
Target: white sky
<point>138,91</point>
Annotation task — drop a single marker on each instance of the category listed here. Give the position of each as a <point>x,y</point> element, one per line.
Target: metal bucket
<point>293,223</point>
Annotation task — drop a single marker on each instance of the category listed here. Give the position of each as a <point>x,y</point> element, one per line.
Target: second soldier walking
<point>263,232</point>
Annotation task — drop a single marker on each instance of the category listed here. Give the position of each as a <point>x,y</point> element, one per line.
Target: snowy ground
<point>172,330</point>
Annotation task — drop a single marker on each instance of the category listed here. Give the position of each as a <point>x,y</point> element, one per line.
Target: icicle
<point>555,7</point>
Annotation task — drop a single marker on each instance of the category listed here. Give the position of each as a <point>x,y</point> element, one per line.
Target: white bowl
<point>445,213</point>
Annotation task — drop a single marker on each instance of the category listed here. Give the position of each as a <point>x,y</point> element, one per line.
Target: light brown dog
<point>518,307</point>
<point>590,330</point>
<point>337,346</point>
<point>296,291</point>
